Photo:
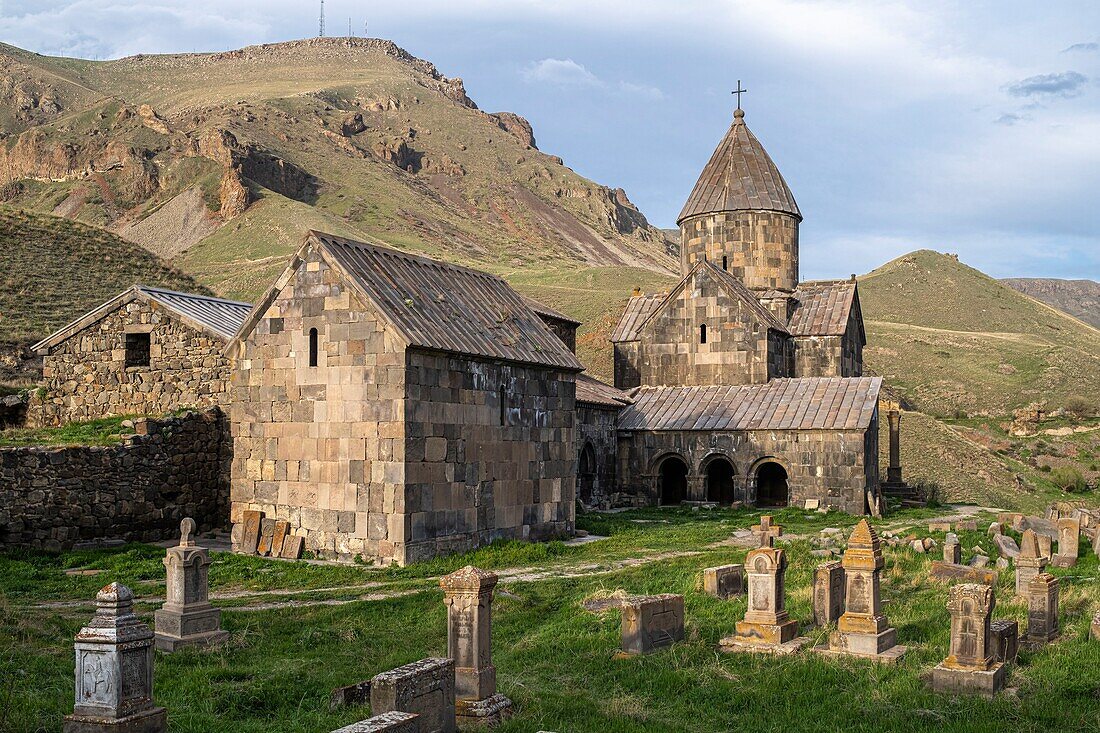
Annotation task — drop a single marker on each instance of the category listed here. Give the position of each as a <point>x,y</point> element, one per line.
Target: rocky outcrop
<point>233,194</point>
<point>512,123</point>
<point>352,124</point>
<point>256,164</point>
<point>152,120</point>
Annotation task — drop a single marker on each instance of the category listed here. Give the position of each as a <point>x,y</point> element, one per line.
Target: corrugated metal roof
<point>223,316</point>
<point>594,392</point>
<point>807,403</point>
<point>440,306</point>
<point>638,309</point>
<point>545,310</point>
<point>823,308</point>
<point>739,176</point>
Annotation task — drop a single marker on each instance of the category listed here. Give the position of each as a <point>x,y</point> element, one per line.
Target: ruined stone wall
<point>322,447</point>
<point>596,430</point>
<point>85,377</point>
<point>176,467</point>
<point>490,453</point>
<point>836,467</point>
<point>759,247</point>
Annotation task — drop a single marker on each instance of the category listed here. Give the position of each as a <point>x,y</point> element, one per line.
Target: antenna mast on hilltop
<point>349,26</point>
<point>321,30</point>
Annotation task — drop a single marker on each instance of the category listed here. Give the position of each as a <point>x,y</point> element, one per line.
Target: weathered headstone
<point>828,592</point>
<point>939,526</point>
<point>724,581</point>
<point>970,665</point>
<point>1006,546</point>
<point>114,671</point>
<point>468,595</point>
<point>950,571</point>
<point>292,547</point>
<point>282,529</point>
<point>1045,546</point>
<point>1005,639</point>
<point>426,688</point>
<point>1069,539</point>
<point>767,626</point>
<point>1030,562</point>
<point>391,722</point>
<point>267,535</point>
<point>952,551</point>
<point>250,532</point>
<point>187,618</point>
<point>652,622</point>
<point>766,533</point>
<point>1042,610</point>
<point>863,629</point>
<point>966,525</point>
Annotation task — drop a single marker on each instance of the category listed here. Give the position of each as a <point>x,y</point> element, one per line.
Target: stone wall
<point>176,467</point>
<point>829,356</point>
<point>85,377</point>
<point>759,247</point>
<point>596,450</point>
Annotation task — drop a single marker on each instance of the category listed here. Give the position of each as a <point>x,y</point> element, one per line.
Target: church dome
<point>740,176</point>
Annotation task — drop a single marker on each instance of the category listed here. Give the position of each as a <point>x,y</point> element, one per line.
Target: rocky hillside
<point>1079,298</point>
<point>219,162</point>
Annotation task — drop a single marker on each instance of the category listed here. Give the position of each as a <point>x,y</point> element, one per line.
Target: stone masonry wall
<point>86,377</point>
<point>760,247</point>
<point>596,429</point>
<point>176,467</point>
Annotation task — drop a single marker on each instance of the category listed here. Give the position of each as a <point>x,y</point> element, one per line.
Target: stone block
<point>425,688</point>
<point>1004,638</point>
<point>292,547</point>
<point>966,525</point>
<point>1006,546</point>
<point>965,573</point>
<point>267,535</point>
<point>652,622</point>
<point>282,529</point>
<point>969,681</point>
<point>350,695</point>
<point>724,581</point>
<point>391,722</point>
<point>939,526</point>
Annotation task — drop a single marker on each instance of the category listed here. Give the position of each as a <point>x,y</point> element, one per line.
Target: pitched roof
<point>739,176</point>
<point>594,392</point>
<point>738,288</point>
<point>435,305</point>
<point>823,308</point>
<point>638,309</point>
<point>806,403</point>
<point>545,310</point>
<point>219,317</point>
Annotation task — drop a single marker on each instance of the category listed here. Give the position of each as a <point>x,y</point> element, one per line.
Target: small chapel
<point>745,384</point>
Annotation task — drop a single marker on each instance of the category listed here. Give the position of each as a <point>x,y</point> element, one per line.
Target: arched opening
<point>313,347</point>
<point>586,475</point>
<point>703,333</point>
<point>674,482</point>
<point>720,481</point>
<point>771,485</point>
<point>725,263</point>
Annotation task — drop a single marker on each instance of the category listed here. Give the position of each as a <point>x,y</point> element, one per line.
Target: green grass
<point>555,660</point>
<point>105,431</point>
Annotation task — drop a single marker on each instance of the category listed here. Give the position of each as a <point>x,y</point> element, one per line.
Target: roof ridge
<point>199,296</point>
<point>422,259</point>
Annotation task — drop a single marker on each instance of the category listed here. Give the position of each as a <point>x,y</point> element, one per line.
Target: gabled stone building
<point>746,385</point>
<point>147,351</point>
<point>398,408</point>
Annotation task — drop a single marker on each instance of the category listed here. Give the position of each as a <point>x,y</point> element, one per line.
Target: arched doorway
<point>720,488</point>
<point>771,485</point>
<point>673,481</point>
<point>586,475</point>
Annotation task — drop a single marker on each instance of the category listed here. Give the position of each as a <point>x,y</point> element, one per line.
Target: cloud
<point>1065,84</point>
<point>642,90</point>
<point>562,72</point>
<point>1010,118</point>
<point>1088,47</point>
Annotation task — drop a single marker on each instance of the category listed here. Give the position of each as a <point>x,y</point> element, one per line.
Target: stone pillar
<point>696,488</point>
<point>1042,610</point>
<point>767,626</point>
<point>970,666</point>
<point>952,552</point>
<point>187,618</point>
<point>468,595</point>
<point>893,471</point>
<point>1030,561</point>
<point>828,592</point>
<point>114,671</point>
<point>1069,542</point>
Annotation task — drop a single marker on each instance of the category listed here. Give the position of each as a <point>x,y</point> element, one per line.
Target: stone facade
<point>830,356</point>
<point>597,443</point>
<point>759,247</point>
<point>176,467</point>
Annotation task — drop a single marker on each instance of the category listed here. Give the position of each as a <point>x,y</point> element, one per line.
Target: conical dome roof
<point>739,176</point>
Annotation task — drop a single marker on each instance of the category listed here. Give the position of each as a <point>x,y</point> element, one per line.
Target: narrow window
<point>137,349</point>
<point>703,333</point>
<point>313,347</point>
<point>724,263</point>
<point>503,406</point>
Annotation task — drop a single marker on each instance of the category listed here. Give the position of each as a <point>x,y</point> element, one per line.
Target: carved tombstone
<point>1042,610</point>
<point>187,618</point>
<point>1069,539</point>
<point>426,688</point>
<point>970,666</point>
<point>862,629</point>
<point>652,622</point>
<point>828,593</point>
<point>724,581</point>
<point>1045,545</point>
<point>767,626</point>
<point>114,671</point>
<point>468,595</point>
<point>391,722</point>
<point>250,532</point>
<point>766,533</point>
<point>1005,640</point>
<point>1030,562</point>
<point>952,551</point>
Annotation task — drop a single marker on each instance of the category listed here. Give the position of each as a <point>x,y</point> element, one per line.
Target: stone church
<point>746,385</point>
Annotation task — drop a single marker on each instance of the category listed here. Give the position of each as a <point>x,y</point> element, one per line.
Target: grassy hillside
<point>950,339</point>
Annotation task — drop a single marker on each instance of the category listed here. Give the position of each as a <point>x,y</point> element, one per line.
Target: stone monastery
<point>395,407</point>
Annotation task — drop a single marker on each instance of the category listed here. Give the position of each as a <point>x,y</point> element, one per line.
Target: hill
<point>1079,298</point>
<point>951,339</point>
<point>56,269</point>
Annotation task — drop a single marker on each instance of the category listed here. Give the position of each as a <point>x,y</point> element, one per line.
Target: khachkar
<point>767,627</point>
<point>971,665</point>
<point>468,594</point>
<point>187,618</point>
<point>114,671</point>
<point>1029,563</point>
<point>1042,610</point>
<point>862,630</point>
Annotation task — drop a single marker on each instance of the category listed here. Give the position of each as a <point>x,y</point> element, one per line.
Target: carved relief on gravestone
<point>1030,562</point>
<point>971,665</point>
<point>652,622</point>
<point>1069,539</point>
<point>1042,610</point>
<point>828,593</point>
<point>767,623</point>
<point>187,618</point>
<point>426,688</point>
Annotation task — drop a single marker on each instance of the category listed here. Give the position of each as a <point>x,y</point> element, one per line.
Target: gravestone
<point>349,695</point>
<point>863,630</point>
<point>966,525</point>
<point>187,618</point>
<point>114,671</point>
<point>250,531</point>
<point>426,688</point>
<point>292,547</point>
<point>652,622</point>
<point>939,526</point>
<point>391,722</point>
<point>1096,627</point>
<point>278,538</point>
<point>1006,546</point>
<point>828,592</point>
<point>952,551</point>
<point>724,581</point>
<point>267,535</point>
<point>1045,545</point>
<point>766,533</point>
<point>1042,610</point>
<point>1069,539</point>
<point>951,571</point>
<point>468,595</point>
<point>767,626</point>
<point>1005,640</point>
<point>1030,562</point>
<point>970,665</point>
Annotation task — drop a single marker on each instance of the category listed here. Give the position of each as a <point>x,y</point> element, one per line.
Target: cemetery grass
<point>554,659</point>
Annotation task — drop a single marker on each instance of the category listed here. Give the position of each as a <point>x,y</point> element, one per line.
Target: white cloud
<point>562,72</point>
<point>642,90</point>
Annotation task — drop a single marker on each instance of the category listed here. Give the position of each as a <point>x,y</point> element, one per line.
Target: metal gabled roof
<point>594,392</point>
<point>823,308</point>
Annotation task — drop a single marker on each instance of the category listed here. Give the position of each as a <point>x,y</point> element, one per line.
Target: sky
<point>970,127</point>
